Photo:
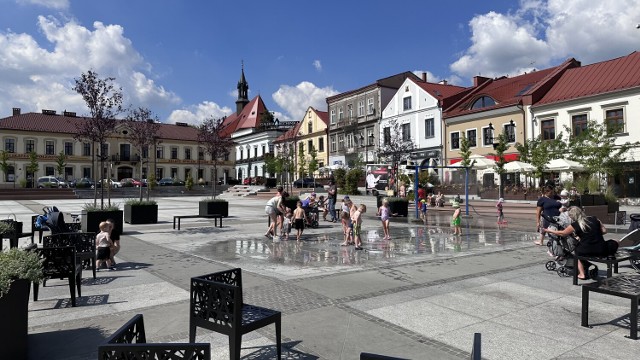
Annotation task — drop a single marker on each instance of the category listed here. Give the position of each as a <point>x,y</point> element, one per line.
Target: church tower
<point>243,93</point>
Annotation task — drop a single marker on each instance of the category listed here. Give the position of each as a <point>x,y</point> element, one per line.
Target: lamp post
<point>495,146</point>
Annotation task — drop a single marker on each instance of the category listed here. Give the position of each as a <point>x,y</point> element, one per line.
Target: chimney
<point>69,113</point>
<point>444,82</point>
<point>16,111</point>
<point>479,80</point>
<point>424,76</point>
<point>48,112</point>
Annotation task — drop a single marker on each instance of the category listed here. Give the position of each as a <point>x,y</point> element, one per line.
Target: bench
<point>216,304</point>
<point>129,342</point>
<point>611,261</point>
<point>212,216</point>
<point>85,244</point>
<point>624,286</point>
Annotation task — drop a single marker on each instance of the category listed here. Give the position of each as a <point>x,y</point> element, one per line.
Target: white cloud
<point>317,64</point>
<point>295,100</point>
<point>196,114</point>
<point>545,33</point>
<point>53,4</point>
<point>36,78</point>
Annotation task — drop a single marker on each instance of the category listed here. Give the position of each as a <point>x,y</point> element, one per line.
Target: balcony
<point>117,158</point>
<point>250,160</point>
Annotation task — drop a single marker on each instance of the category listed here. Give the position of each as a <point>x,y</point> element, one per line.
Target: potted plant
<point>210,206</point>
<point>140,211</point>
<point>18,269</point>
<point>93,215</point>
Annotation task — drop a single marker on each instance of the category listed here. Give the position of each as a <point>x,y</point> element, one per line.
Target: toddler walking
<point>383,212</point>
<point>423,210</point>
<point>455,219</point>
<point>500,213</point>
<point>286,224</point>
<point>356,218</point>
<point>104,243</point>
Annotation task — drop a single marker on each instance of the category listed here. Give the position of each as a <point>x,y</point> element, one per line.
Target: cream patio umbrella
<point>558,165</point>
<point>481,162</point>
<point>518,166</point>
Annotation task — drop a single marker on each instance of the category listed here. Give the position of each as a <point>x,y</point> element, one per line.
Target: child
<point>345,219</point>
<point>423,210</point>
<point>104,243</point>
<point>455,219</point>
<point>286,225</point>
<point>115,248</point>
<point>322,204</point>
<point>299,218</point>
<point>500,213</point>
<point>383,212</point>
<point>357,225</point>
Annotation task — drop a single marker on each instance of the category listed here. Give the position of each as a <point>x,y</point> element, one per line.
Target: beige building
<point>313,134</point>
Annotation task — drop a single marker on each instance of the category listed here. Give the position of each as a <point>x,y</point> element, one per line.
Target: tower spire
<point>243,91</point>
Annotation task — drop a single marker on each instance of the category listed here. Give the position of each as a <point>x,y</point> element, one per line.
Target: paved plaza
<point>421,295</point>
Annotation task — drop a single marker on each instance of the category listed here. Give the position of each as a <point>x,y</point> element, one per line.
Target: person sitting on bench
<point>589,231</point>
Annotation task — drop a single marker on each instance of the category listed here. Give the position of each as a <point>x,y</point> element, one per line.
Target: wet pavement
<point>420,295</point>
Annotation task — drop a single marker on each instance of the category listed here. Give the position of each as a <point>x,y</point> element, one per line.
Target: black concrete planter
<point>92,219</point>
<point>397,206</point>
<point>15,320</point>
<point>214,207</point>
<point>141,214</point>
<point>613,206</point>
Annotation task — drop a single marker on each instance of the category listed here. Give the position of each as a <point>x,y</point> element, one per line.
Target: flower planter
<point>599,199</point>
<point>141,214</point>
<point>92,219</point>
<point>15,319</point>
<point>586,200</point>
<point>214,207</point>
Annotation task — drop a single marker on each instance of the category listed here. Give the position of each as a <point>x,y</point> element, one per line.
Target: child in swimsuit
<point>455,219</point>
<point>383,212</point>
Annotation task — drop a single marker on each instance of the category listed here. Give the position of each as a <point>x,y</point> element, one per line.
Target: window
<point>340,142</point>
<point>104,150</point>
<point>487,136</point>
<point>160,154</point>
<point>333,116</point>
<point>578,124</point>
<point>264,149</point>
<point>455,140</point>
<point>429,128</point>
<point>332,143</point>
<point>10,145</point>
<point>350,110</point>
<point>361,108</point>
<point>483,102</point>
<point>406,132</point>
<point>370,109</point>
<point>86,149</point>
<point>86,172</point>
<point>510,132</point>
<point>386,135</point>
<point>241,154</point>
<point>49,147</point>
<point>145,153</point>
<point>49,171</point>
<point>159,173</point>
<point>174,153</point>
<point>68,148</point>
<point>125,152</point>
<point>187,153</point>
<point>321,144</point>
<point>349,141</point>
<point>310,127</point>
<point>471,136</point>
<point>614,119</point>
<point>226,156</point>
<point>548,129</point>
<point>310,145</point>
<point>255,151</point>
<point>30,146</point>
<point>370,136</point>
<point>200,153</point>
<point>406,103</point>
<point>340,114</point>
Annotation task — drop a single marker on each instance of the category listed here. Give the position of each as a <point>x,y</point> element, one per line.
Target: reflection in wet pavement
<point>408,244</point>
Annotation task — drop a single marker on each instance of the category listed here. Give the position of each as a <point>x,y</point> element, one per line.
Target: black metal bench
<point>610,261</point>
<point>61,263</point>
<point>130,343</point>
<point>212,216</point>
<point>217,305</point>
<point>624,286</point>
<point>85,244</point>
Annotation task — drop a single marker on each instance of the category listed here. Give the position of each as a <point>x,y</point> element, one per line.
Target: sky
<point>182,58</point>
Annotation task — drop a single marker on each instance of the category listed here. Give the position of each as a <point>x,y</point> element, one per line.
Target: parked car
<point>170,182</point>
<point>51,182</point>
<point>304,183</point>
<point>131,182</point>
<point>256,180</point>
<point>82,183</point>
<point>114,184</point>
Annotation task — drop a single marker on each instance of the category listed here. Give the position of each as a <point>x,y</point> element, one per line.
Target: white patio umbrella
<point>518,166</point>
<point>481,162</point>
<point>563,165</point>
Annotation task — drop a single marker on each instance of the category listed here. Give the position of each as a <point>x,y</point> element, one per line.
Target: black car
<point>84,183</point>
<point>305,183</point>
<point>170,182</point>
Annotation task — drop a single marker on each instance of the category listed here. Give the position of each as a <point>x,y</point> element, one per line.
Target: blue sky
<point>182,59</point>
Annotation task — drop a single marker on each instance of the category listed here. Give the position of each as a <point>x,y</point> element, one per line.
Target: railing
<point>119,158</point>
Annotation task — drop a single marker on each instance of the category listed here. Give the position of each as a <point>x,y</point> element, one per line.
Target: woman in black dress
<point>589,231</point>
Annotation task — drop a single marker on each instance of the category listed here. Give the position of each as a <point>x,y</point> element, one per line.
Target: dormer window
<point>483,102</point>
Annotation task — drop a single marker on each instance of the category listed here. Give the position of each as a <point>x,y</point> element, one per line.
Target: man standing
<point>333,198</point>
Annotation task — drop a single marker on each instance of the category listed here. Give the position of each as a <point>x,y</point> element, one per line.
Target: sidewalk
<point>421,295</point>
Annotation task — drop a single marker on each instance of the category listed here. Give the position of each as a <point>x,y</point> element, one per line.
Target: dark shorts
<point>298,224</point>
<point>104,253</point>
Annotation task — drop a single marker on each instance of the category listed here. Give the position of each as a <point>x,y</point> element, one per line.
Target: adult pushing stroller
<point>561,249</point>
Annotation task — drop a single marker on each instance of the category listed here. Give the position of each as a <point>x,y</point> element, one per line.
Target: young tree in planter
<point>215,143</point>
<point>313,163</point>
<point>33,167</point>
<point>144,127</point>
<point>104,102</point>
<point>396,146</point>
<point>4,163</point>
<point>302,162</point>
<point>501,147</point>
<point>61,162</point>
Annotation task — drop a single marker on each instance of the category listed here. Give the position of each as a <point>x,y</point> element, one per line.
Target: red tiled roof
<point>323,115</point>
<point>290,134</point>
<point>249,117</point>
<point>598,78</point>
<point>441,92</point>
<point>393,81</point>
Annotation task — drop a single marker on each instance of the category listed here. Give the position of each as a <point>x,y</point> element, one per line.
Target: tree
<point>396,146</point>
<point>215,143</point>
<point>104,102</point>
<point>33,166</point>
<point>144,127</point>
<point>4,163</point>
<point>313,163</point>
<point>302,162</point>
<point>538,153</point>
<point>61,163</point>
<point>500,148</point>
<point>465,151</point>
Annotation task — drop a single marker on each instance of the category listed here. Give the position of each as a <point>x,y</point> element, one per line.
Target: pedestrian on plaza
<point>287,224</point>
<point>499,207</point>
<point>104,244</point>
<point>549,205</point>
<point>115,248</point>
<point>333,199</point>
<point>357,225</point>
<point>455,218</point>
<point>421,192</point>
<point>299,218</point>
<point>423,209</point>
<point>345,220</point>
<point>383,212</point>
<point>273,209</point>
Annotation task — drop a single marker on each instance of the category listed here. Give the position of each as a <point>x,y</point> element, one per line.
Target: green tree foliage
<point>142,134</point>
<point>538,152</point>
<point>465,151</point>
<point>188,183</point>
<point>32,165</point>
<point>351,181</point>
<point>339,176</point>
<point>61,163</point>
<point>4,163</point>
<point>396,149</point>
<point>215,143</point>
<point>313,163</point>
<point>500,148</point>
<point>302,162</point>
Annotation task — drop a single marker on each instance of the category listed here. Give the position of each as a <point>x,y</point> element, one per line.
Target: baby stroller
<point>55,221</point>
<point>312,215</point>
<point>561,250</point>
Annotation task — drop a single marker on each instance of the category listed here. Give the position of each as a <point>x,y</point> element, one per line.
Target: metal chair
<point>61,262</point>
